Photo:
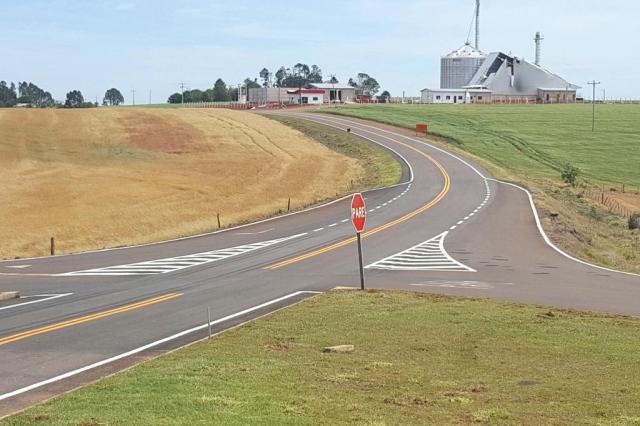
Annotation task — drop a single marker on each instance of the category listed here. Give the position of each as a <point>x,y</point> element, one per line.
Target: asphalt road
<point>448,228</point>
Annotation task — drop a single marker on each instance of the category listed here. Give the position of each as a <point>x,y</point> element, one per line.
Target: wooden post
<point>623,188</point>
<point>53,247</point>
<point>289,204</point>
<point>218,216</point>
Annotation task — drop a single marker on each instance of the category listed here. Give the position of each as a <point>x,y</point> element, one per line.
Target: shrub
<point>569,174</point>
<point>634,221</point>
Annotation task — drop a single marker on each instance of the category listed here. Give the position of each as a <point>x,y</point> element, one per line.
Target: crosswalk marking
<point>427,256</point>
<point>164,266</point>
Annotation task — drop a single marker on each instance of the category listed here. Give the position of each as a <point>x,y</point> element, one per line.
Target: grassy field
<point>418,359</point>
<point>529,145</point>
<point>108,177</point>
<point>381,168</point>
<point>531,140</point>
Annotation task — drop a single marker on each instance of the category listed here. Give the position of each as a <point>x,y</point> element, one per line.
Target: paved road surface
<point>448,228</point>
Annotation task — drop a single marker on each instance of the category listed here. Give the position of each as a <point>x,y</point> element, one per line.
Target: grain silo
<point>458,67</point>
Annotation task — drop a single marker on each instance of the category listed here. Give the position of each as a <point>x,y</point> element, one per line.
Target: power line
<point>593,101</point>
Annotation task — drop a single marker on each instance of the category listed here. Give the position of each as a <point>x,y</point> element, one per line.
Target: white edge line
<point>52,296</point>
<point>531,202</point>
<point>147,346</point>
<point>548,240</point>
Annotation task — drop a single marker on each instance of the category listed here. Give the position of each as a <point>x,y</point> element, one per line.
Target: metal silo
<point>458,67</point>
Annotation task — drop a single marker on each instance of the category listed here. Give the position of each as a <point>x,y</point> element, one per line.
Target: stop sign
<point>358,212</point>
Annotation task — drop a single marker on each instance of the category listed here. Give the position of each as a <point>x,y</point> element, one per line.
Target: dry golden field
<point>103,177</point>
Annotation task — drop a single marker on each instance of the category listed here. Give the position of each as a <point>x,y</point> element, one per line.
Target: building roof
<point>308,91</point>
<point>331,86</point>
<point>470,90</point>
<point>466,51</point>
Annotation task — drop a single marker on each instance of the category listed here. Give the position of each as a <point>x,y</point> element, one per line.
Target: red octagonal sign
<point>358,212</point>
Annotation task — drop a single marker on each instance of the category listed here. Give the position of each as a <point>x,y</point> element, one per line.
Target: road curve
<point>448,228</point>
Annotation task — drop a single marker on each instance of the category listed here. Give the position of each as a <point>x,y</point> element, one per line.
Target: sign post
<point>358,219</point>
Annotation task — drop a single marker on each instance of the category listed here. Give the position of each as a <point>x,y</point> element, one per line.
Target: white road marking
<point>426,256</point>
<point>255,233</point>
<point>47,297</point>
<point>332,225</point>
<point>344,221</point>
<point>473,285</point>
<point>148,346</point>
<point>163,266</point>
<point>318,230</point>
<point>18,266</point>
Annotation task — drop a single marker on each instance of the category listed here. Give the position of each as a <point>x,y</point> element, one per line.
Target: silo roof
<point>466,51</point>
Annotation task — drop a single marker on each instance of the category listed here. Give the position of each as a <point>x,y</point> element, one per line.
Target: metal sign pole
<point>360,260</point>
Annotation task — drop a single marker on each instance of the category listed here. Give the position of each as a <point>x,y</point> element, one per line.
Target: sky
<point>152,46</point>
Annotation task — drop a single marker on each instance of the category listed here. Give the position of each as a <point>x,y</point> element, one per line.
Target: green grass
<point>418,359</point>
<point>381,168</point>
<point>530,140</point>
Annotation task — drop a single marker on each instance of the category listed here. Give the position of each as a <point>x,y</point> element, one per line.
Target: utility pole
<point>149,96</point>
<point>182,91</point>
<point>593,102</point>
<point>133,96</point>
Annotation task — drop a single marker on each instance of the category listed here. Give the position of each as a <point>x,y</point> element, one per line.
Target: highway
<point>447,228</point>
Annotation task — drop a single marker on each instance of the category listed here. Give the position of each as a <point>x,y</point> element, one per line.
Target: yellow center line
<point>437,199</point>
<point>87,318</point>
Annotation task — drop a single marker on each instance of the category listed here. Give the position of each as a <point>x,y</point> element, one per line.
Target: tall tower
<point>538,41</point>
<point>478,24</point>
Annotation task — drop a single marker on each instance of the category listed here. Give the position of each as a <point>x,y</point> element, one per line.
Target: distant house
<point>306,96</point>
<point>336,92</point>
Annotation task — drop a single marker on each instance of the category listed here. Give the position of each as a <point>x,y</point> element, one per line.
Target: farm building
<point>336,92</point>
<point>467,75</point>
<point>324,92</point>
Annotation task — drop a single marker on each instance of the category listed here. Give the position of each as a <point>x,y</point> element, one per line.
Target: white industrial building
<point>467,75</point>
<point>317,93</point>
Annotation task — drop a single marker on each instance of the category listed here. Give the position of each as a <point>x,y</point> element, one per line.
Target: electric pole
<point>182,91</point>
<point>593,101</point>
<point>133,96</point>
<point>149,96</point>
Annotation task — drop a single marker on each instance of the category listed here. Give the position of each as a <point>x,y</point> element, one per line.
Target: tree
<point>333,80</point>
<point>365,84</point>
<point>281,75</point>
<point>569,174</point>
<point>385,94</point>
<point>113,97</point>
<point>251,84</point>
<point>220,91</point>
<point>74,99</point>
<point>265,75</point>
<point>175,98</point>
<point>8,96</point>
<point>315,75</point>
<point>29,93</point>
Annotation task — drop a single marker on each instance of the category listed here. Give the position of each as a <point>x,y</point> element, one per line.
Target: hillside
<point>109,177</point>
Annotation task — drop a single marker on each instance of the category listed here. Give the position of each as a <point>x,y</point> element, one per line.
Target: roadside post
<point>358,219</point>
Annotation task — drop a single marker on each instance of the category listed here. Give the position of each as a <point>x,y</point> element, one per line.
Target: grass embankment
<point>418,359</point>
<point>109,177</point>
<point>381,167</point>
<point>530,144</point>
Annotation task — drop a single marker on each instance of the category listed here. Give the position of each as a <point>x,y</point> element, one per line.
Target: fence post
<point>289,204</point>
<point>53,247</point>
<point>218,216</point>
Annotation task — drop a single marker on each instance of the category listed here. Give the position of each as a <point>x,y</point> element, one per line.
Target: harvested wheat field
<point>103,177</point>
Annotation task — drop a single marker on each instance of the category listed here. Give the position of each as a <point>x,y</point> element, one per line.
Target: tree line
<point>30,95</point>
<point>300,75</point>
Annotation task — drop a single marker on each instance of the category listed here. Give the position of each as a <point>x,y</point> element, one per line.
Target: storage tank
<point>458,67</point>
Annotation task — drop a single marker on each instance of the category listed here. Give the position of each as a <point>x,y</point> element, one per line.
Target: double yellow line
<point>440,196</point>
<point>92,317</point>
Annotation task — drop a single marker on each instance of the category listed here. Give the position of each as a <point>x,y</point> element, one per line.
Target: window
<point>459,97</point>
<point>315,98</point>
<point>479,98</point>
<point>448,98</point>
<point>438,97</point>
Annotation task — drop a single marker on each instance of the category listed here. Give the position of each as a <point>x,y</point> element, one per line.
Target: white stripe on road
<point>426,256</point>
<point>148,346</point>
<point>163,266</point>
<point>46,296</point>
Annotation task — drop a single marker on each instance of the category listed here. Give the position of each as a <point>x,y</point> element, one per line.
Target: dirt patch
<point>154,133</point>
<point>629,201</point>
